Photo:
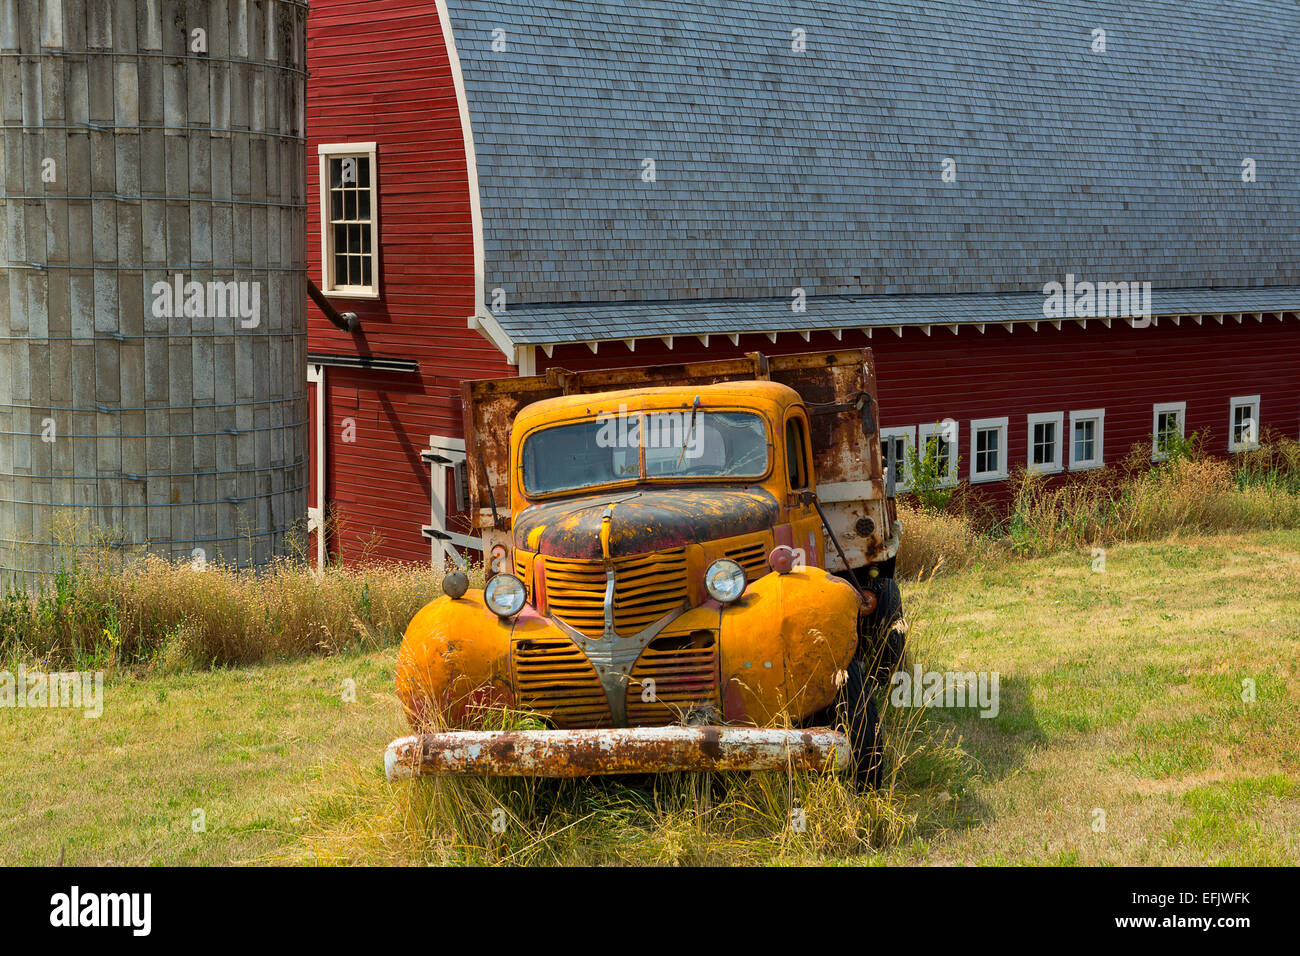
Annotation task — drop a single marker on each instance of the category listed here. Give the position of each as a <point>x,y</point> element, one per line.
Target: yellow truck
<point>687,567</point>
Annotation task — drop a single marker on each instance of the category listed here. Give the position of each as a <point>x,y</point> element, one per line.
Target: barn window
<point>1243,423</point>
<point>1167,426</point>
<point>1087,440</point>
<point>349,213</point>
<point>988,442</point>
<point>940,440</point>
<point>894,445</point>
<point>1045,441</point>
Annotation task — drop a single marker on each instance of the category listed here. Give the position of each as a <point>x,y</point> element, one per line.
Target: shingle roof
<point>777,169</point>
<point>544,325</point>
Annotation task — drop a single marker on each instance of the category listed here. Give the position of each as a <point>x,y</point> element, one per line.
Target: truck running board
<point>583,753</point>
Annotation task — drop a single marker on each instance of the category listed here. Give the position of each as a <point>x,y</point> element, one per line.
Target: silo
<point>152,277</point>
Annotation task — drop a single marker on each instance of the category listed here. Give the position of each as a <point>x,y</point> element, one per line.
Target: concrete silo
<point>152,276</point>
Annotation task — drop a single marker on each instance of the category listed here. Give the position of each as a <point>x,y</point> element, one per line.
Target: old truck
<point>687,567</point>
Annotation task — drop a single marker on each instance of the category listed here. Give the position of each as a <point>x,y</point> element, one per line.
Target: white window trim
<point>1242,401</point>
<point>923,433</point>
<point>1083,415</point>
<point>1156,411</point>
<point>1039,418</point>
<point>325,152</point>
<point>1003,425</point>
<point>903,480</point>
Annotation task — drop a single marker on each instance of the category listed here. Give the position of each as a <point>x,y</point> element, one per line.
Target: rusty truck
<point>687,567</point>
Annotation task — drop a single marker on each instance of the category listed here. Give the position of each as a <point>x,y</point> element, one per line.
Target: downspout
<point>347,321</point>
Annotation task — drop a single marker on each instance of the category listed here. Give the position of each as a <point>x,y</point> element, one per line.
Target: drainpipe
<point>347,321</point>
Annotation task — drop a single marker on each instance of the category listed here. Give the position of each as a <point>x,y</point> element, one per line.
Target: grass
<point>1135,499</point>
<point>1121,692</point>
<point>101,610</point>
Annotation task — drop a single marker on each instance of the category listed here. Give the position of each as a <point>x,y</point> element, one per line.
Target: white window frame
<point>1083,415</point>
<point>325,152</point>
<point>902,480</point>
<point>1242,401</point>
<point>1003,426</point>
<point>1045,418</point>
<point>923,433</point>
<point>1163,408</point>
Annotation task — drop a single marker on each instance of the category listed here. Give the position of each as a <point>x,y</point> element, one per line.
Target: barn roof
<point>821,169</point>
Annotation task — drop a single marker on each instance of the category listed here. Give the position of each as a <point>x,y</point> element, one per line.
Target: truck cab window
<point>796,454</point>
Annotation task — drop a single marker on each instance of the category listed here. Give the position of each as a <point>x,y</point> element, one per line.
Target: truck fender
<point>785,645</point>
<point>455,655</point>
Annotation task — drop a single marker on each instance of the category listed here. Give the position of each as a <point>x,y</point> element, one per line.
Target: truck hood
<point>644,520</point>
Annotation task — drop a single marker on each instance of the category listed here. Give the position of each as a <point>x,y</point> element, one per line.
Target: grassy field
<point>1121,694</point>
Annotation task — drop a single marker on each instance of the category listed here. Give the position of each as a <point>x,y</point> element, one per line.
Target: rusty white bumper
<point>581,753</point>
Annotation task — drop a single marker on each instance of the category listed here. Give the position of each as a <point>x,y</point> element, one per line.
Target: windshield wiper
<point>690,430</point>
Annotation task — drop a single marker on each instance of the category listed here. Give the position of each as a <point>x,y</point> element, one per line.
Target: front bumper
<point>583,753</point>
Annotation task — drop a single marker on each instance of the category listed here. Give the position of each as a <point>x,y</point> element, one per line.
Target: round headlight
<point>505,595</point>
<point>725,581</point>
<point>455,584</point>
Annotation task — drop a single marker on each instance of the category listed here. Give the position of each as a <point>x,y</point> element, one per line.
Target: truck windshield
<point>678,444</point>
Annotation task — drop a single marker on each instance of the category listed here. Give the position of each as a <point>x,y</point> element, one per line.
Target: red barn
<point>1061,229</point>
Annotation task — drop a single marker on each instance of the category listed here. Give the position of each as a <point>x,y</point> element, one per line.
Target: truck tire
<point>884,641</point>
<point>856,713</point>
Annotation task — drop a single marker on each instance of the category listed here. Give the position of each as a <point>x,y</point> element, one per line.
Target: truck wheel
<point>856,713</point>
<point>884,640</point>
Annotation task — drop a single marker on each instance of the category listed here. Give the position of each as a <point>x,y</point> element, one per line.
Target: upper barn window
<point>349,207</point>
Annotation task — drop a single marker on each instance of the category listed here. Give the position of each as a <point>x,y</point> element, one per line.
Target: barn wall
<point>923,379</point>
<point>380,72</point>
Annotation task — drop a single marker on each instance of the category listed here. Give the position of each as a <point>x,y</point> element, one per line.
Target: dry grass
<point>1121,691</point>
<point>1134,500</point>
<point>934,542</point>
<point>1192,494</point>
<point>104,611</point>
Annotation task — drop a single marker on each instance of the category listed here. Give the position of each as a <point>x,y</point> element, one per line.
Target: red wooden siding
<point>972,375</point>
<point>380,72</point>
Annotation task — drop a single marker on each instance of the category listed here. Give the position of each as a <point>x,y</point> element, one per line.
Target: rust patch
<point>711,745</point>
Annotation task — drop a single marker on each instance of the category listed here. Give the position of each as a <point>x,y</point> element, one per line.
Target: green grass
<point>1121,693</point>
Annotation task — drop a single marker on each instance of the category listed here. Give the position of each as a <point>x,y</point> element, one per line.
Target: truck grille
<point>645,589</point>
<point>684,669</point>
<point>554,678</point>
<point>751,557</point>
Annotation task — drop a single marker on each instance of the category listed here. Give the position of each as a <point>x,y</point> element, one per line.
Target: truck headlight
<point>505,594</point>
<point>725,581</point>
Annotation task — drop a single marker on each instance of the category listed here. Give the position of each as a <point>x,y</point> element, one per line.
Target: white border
<point>1243,401</point>
<point>481,320</point>
<point>1041,418</point>
<point>1156,410</point>
<point>923,432</point>
<point>1086,414</point>
<point>1003,425</point>
<point>902,480</point>
<point>324,152</point>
